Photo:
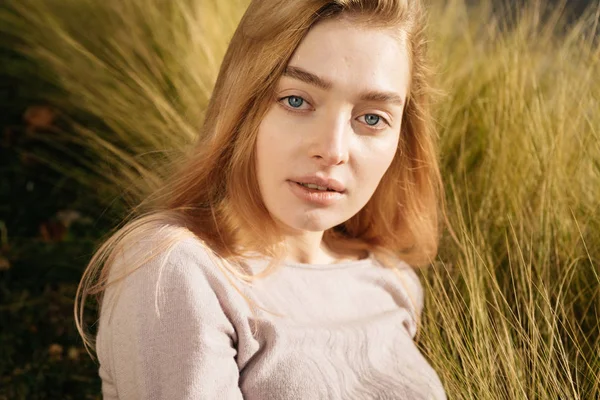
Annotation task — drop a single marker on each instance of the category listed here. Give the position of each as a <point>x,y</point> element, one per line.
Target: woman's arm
<point>168,337</point>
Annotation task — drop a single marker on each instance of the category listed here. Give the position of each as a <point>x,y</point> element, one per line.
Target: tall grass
<point>512,309</point>
<point>133,79</point>
<point>514,313</point>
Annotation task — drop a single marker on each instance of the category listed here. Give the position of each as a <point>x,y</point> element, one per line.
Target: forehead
<point>350,54</point>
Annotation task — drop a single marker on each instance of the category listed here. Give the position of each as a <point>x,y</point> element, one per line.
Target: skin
<point>333,131</point>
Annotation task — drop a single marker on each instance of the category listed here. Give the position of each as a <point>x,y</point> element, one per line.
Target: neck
<point>307,250</point>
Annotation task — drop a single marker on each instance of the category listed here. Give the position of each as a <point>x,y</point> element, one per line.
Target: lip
<point>329,183</point>
<point>315,196</point>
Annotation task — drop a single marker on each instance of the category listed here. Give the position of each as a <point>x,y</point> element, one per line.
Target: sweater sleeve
<point>167,334</point>
<point>413,288</point>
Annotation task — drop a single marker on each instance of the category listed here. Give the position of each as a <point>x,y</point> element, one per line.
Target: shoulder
<point>164,312</point>
<point>161,267</point>
<point>411,291</point>
<point>166,248</point>
<point>413,285</point>
<point>408,278</point>
<point>154,239</point>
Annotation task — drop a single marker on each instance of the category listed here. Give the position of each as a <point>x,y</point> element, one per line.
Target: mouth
<point>315,197</point>
<point>316,188</point>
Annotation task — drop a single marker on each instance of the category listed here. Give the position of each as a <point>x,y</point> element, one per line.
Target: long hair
<point>213,195</point>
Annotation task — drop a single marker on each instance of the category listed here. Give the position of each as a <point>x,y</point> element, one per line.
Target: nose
<point>330,144</point>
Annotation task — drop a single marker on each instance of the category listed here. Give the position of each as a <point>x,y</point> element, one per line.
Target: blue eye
<point>295,101</point>
<point>372,119</point>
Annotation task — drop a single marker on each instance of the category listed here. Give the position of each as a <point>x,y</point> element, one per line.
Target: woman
<point>275,263</point>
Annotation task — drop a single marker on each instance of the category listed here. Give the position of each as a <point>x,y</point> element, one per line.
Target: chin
<point>309,223</point>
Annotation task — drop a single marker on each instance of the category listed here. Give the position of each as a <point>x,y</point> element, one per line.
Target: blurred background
<point>96,96</point>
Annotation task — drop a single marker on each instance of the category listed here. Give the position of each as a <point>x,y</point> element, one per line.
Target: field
<point>95,97</point>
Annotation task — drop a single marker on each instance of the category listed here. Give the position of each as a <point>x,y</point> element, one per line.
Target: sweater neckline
<point>339,265</point>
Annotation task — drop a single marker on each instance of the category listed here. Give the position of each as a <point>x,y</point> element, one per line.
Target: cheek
<point>388,157</point>
<point>389,152</point>
<point>263,163</point>
<point>277,141</point>
<point>271,151</point>
<point>375,163</point>
<point>265,140</point>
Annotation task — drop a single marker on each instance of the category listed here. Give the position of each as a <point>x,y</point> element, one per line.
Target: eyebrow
<point>315,80</point>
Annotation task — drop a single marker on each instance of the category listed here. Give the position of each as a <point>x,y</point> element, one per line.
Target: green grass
<point>511,309</point>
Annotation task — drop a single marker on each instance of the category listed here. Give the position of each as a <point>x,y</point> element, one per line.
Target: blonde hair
<point>213,195</point>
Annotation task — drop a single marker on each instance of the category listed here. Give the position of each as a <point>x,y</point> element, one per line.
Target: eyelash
<point>292,109</point>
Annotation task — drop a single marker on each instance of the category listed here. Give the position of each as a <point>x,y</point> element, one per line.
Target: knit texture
<point>177,329</point>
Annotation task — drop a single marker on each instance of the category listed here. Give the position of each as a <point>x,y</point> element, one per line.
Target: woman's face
<point>336,114</point>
